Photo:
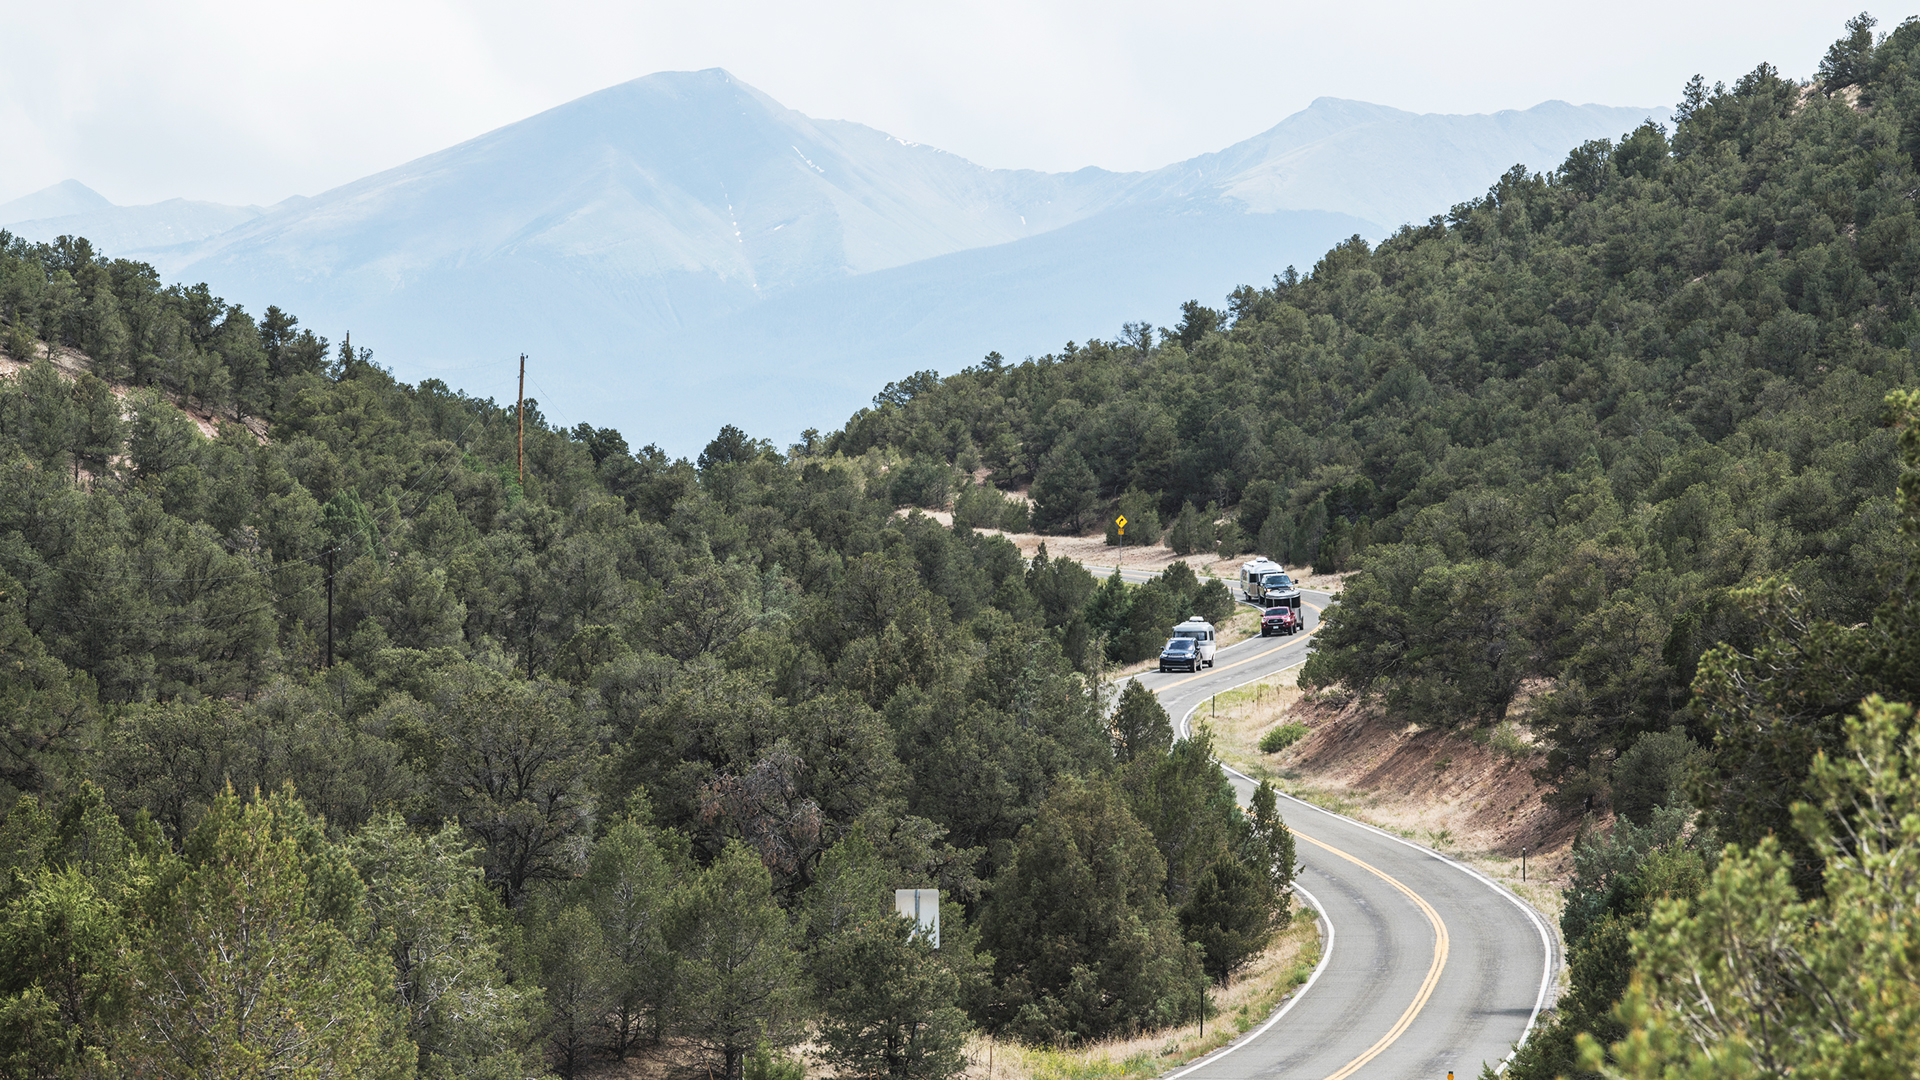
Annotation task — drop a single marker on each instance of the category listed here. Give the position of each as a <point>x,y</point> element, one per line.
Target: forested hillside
<point>337,744</point>
<point>1614,451</point>
<point>347,750</point>
<point>1555,426</point>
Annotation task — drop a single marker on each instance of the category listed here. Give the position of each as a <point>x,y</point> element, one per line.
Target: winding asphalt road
<point>1428,967</point>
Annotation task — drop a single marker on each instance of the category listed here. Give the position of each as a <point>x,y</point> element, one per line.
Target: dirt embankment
<point>1469,795</point>
<point>1473,791</point>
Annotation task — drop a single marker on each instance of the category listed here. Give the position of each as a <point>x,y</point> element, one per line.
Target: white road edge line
<point>1251,1036</point>
<point>1533,917</point>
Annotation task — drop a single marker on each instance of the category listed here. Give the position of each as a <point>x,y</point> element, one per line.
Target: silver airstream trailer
<point>1261,577</point>
<point>1201,631</point>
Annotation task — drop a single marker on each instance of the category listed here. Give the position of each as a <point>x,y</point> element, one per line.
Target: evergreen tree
<point>255,964</point>
<point>1064,492</point>
<point>1276,537</point>
<point>1183,537</point>
<point>1204,537</point>
<point>1083,941</point>
<point>429,906</point>
<point>1849,60</point>
<point>576,975</point>
<point>893,1009</point>
<point>99,432</point>
<point>69,919</point>
<point>515,769</point>
<point>1232,914</point>
<point>1750,979</point>
<point>1141,728</point>
<point>628,887</point>
<point>889,1001</point>
<point>739,985</point>
<point>1184,799</point>
<point>48,424</point>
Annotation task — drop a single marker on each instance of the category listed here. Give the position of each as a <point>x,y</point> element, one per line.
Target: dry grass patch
<point>1241,717</point>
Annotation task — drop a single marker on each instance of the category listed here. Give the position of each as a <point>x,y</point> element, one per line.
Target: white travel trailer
<point>1201,631</point>
<point>1262,577</point>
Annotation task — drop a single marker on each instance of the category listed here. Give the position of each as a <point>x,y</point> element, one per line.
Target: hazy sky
<point>245,102</point>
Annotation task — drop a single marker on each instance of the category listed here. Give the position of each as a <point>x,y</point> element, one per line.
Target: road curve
<point>1430,967</point>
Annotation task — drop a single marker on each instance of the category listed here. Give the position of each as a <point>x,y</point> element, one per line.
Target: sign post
<point>923,907</point>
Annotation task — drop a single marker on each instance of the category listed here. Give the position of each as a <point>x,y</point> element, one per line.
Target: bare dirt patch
<point>72,362</point>
<point>1095,552</point>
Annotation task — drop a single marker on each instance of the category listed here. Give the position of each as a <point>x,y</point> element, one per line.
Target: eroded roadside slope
<point>1471,796</point>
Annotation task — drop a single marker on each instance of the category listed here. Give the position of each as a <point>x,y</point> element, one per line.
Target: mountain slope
<point>1362,159</point>
<point>64,198</point>
<point>136,230</point>
<point>642,184</point>
<point>667,217</point>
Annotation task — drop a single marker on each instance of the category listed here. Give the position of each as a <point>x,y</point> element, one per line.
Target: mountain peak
<point>63,198</point>
<point>684,223</point>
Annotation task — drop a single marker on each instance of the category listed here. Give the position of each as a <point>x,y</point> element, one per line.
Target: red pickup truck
<point>1279,620</point>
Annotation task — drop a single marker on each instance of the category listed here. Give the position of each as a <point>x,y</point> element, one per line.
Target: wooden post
<point>520,411</point>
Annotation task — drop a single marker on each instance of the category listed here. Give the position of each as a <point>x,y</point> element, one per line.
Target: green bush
<point>1014,517</point>
<point>1282,737</point>
<point>765,1065</point>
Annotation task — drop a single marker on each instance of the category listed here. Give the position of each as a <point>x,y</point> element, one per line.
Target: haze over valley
<point>670,249</point>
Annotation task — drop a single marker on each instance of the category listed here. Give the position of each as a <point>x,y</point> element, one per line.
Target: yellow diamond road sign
<point>1121,521</point>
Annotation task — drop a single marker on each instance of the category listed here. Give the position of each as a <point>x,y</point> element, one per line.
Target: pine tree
<point>256,965</point>
<point>739,984</point>
<point>627,887</point>
<point>1182,537</point>
<point>893,1011</point>
<point>1276,537</point>
<point>429,904</point>
<point>1232,915</point>
<point>1141,728</point>
<point>1273,841</point>
<point>889,1001</point>
<point>576,974</point>
<point>1082,939</point>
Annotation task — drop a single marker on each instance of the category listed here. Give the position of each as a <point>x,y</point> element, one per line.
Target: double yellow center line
<point>1441,944</point>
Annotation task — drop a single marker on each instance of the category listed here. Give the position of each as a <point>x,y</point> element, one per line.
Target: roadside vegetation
<point>449,760</point>
<point>455,770</point>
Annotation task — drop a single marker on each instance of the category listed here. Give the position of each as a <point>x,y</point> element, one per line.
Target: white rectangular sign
<point>923,907</point>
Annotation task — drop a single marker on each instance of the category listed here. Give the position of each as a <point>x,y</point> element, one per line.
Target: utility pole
<point>520,410</point>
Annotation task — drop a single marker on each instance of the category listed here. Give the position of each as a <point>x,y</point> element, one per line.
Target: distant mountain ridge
<point>138,231</point>
<point>672,223</point>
